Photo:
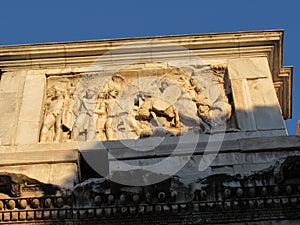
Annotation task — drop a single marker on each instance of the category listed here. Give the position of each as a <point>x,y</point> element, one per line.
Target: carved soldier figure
<point>104,109</point>
<point>224,107</point>
<point>84,112</point>
<point>201,101</point>
<point>67,113</point>
<point>50,94</point>
<point>113,92</point>
<point>52,119</point>
<point>101,114</point>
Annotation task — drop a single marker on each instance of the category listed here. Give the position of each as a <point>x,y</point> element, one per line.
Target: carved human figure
<point>52,117</point>
<point>67,114</point>
<point>50,94</point>
<point>201,101</point>
<point>109,102</point>
<point>101,114</point>
<point>84,112</point>
<point>104,109</point>
<point>224,107</point>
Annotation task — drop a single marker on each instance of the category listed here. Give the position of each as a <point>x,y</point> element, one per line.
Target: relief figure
<point>84,113</point>
<point>104,109</point>
<point>51,128</point>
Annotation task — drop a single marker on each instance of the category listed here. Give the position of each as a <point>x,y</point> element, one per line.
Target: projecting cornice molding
<point>220,46</point>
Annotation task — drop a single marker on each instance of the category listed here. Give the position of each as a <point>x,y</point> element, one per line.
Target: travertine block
<point>243,105</point>
<point>16,158</point>
<point>12,81</point>
<point>62,174</point>
<point>255,100</point>
<point>8,117</point>
<point>31,110</point>
<point>266,108</point>
<point>248,68</point>
<point>27,132</point>
<point>56,167</point>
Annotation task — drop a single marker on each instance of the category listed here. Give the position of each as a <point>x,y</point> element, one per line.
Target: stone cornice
<point>68,152</point>
<point>208,46</point>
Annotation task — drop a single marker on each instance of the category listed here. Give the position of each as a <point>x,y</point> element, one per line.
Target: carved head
<point>114,90</point>
<point>90,93</point>
<point>50,92</point>
<point>193,82</point>
<point>59,92</point>
<point>118,78</point>
<point>164,84</point>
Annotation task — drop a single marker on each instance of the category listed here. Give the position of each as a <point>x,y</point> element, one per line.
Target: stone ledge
<point>267,143</point>
<point>38,157</point>
<point>143,148</point>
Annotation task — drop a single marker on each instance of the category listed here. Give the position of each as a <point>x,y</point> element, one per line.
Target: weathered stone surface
<point>168,97</point>
<point>248,68</point>
<point>31,110</point>
<point>174,86</point>
<point>64,174</point>
<point>56,167</point>
<point>18,157</point>
<point>243,105</point>
<point>18,185</point>
<point>256,102</point>
<point>246,168</point>
<point>8,119</point>
<point>12,81</point>
<point>265,105</point>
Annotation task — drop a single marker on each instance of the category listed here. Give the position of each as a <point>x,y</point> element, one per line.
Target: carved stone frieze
<point>137,101</point>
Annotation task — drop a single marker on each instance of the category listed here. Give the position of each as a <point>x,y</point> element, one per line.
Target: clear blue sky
<point>37,21</point>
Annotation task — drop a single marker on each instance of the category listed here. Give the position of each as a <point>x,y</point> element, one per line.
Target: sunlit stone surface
<point>174,130</point>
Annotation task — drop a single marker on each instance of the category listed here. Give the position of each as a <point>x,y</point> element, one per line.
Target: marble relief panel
<point>140,100</point>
